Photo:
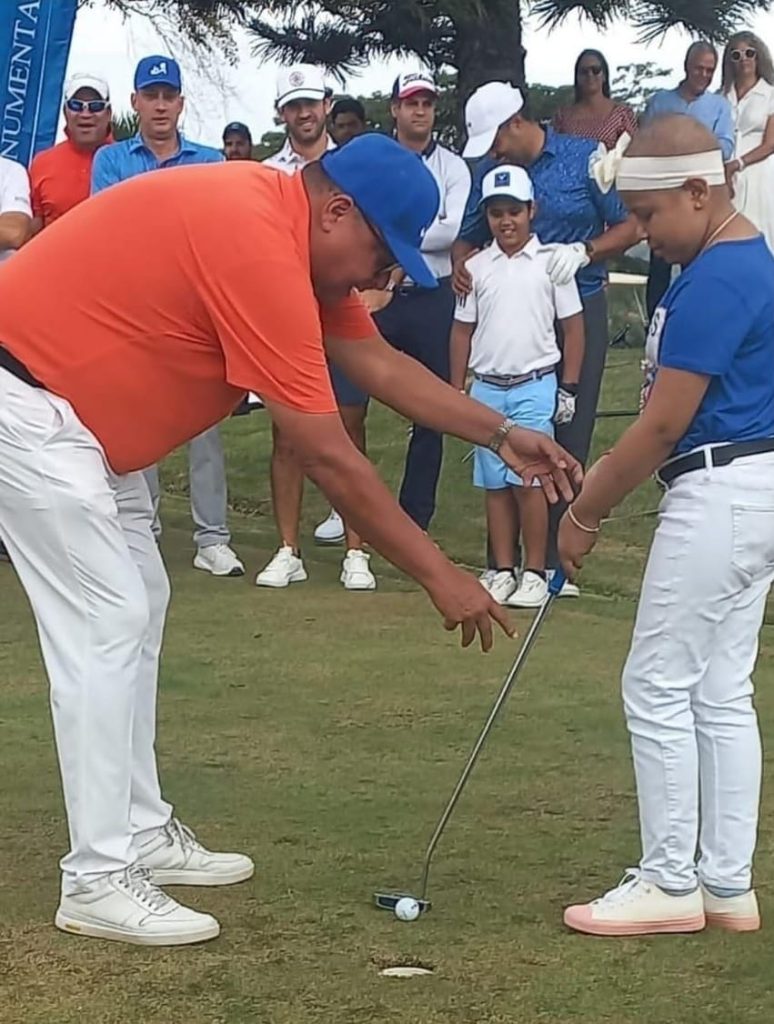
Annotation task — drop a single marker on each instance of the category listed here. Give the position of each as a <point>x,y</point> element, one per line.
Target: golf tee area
<point>321,731</point>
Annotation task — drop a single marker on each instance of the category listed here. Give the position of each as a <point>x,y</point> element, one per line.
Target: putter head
<point>389,900</point>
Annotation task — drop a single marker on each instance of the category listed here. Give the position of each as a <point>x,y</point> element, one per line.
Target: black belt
<point>717,455</point>
<point>416,289</point>
<point>499,381</point>
<point>17,368</point>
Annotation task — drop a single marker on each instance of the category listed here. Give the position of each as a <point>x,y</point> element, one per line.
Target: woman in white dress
<point>748,82</point>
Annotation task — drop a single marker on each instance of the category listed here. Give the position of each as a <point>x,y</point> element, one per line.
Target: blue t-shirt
<point>570,205</point>
<point>126,159</point>
<point>717,319</point>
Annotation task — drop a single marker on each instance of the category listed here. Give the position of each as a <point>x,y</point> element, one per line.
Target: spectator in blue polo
<point>584,227</point>
<point>158,102</point>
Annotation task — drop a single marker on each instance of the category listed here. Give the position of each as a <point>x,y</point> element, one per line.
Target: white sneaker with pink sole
<point>637,907</point>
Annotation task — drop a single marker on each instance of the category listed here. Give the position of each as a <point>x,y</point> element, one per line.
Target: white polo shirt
<point>14,193</point>
<point>514,305</point>
<point>453,178</point>
<point>289,160</point>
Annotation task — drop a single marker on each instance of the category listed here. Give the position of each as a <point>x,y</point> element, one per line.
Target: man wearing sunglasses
<point>61,176</point>
<point>692,97</point>
<point>159,145</point>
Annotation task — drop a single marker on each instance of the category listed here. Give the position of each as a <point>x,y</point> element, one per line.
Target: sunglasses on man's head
<point>92,106</point>
<point>749,53</point>
<point>591,69</point>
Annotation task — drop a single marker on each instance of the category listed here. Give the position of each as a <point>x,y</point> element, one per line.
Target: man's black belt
<point>17,368</point>
<point>715,455</point>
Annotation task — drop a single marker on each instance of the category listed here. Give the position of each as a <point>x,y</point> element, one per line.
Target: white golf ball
<point>407,909</point>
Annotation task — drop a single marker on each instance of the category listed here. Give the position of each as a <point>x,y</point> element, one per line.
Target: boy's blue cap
<point>157,70</point>
<point>394,191</point>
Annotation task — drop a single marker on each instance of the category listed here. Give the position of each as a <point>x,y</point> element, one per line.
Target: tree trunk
<point>489,48</point>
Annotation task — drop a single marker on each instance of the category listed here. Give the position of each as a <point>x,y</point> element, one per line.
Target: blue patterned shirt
<point>125,159</point>
<point>570,205</point>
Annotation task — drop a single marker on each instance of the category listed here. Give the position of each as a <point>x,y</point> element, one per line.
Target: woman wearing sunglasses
<point>594,114</point>
<point>748,82</point>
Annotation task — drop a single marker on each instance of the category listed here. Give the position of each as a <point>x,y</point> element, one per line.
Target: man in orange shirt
<point>61,176</point>
<point>162,347</point>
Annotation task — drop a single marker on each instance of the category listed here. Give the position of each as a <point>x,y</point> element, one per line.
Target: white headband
<point>652,173</point>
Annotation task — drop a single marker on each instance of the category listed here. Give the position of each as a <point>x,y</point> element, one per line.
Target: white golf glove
<point>565,408</point>
<point>565,262</point>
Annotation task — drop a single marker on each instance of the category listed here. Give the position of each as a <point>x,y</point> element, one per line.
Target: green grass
<point>321,732</point>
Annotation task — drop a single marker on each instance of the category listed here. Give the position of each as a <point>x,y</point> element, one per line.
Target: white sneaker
<point>175,857</point>
<point>330,530</point>
<point>500,585</point>
<point>127,907</point>
<point>569,589</point>
<point>218,559</point>
<point>637,907</point>
<point>486,577</point>
<point>732,913</point>
<point>356,572</point>
<point>530,593</point>
<point>285,568</point>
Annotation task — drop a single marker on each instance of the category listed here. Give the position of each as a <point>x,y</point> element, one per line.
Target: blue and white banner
<point>34,46</point>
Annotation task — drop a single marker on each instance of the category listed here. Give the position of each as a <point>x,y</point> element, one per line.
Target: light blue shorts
<point>531,405</point>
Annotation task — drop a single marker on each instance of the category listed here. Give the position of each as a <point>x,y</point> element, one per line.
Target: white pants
<point>81,542</point>
<point>686,685</point>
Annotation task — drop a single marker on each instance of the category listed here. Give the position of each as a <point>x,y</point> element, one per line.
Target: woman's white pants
<point>81,542</point>
<point>687,683</point>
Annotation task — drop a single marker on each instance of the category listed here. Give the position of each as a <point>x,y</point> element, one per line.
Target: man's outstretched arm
<point>406,386</point>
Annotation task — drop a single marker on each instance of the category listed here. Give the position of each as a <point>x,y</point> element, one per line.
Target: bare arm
<point>406,386</point>
<point>673,402</point>
<point>761,152</point>
<point>462,282</point>
<point>615,240</point>
<point>353,486</point>
<point>573,349</point>
<point>461,336</point>
<point>36,227</point>
<point>14,230</point>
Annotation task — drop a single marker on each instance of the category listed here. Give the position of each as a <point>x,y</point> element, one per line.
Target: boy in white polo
<point>504,331</point>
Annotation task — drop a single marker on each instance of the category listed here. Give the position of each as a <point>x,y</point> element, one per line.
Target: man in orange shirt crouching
<point>153,352</point>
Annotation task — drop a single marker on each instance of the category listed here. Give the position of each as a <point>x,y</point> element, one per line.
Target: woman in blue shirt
<point>708,429</point>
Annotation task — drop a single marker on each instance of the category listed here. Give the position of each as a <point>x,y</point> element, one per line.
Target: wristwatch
<point>495,442</point>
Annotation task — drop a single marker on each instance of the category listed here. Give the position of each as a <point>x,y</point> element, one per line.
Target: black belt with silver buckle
<point>17,368</point>
<point>498,381</point>
<point>719,455</point>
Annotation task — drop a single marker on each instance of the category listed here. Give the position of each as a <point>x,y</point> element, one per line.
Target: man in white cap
<point>417,320</point>
<point>304,104</point>
<point>585,226</point>
<point>61,176</point>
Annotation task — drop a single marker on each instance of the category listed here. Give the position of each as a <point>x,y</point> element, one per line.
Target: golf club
<point>389,901</point>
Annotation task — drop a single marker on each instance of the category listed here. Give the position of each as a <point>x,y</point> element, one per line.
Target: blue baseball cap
<point>157,70</point>
<point>395,192</point>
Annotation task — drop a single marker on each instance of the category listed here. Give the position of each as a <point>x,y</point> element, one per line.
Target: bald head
<point>672,135</point>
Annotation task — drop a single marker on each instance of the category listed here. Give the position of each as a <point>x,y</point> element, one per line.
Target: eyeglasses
<point>749,53</point>
<point>388,263</point>
<point>590,69</point>
<point>92,106</point>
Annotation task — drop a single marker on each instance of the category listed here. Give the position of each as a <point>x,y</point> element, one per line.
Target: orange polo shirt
<point>153,307</point>
<point>60,178</point>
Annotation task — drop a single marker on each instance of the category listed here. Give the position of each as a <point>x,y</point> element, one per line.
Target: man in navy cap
<point>158,102</point>
<point>237,141</point>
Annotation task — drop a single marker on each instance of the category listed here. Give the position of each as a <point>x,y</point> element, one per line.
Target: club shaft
<point>502,696</point>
